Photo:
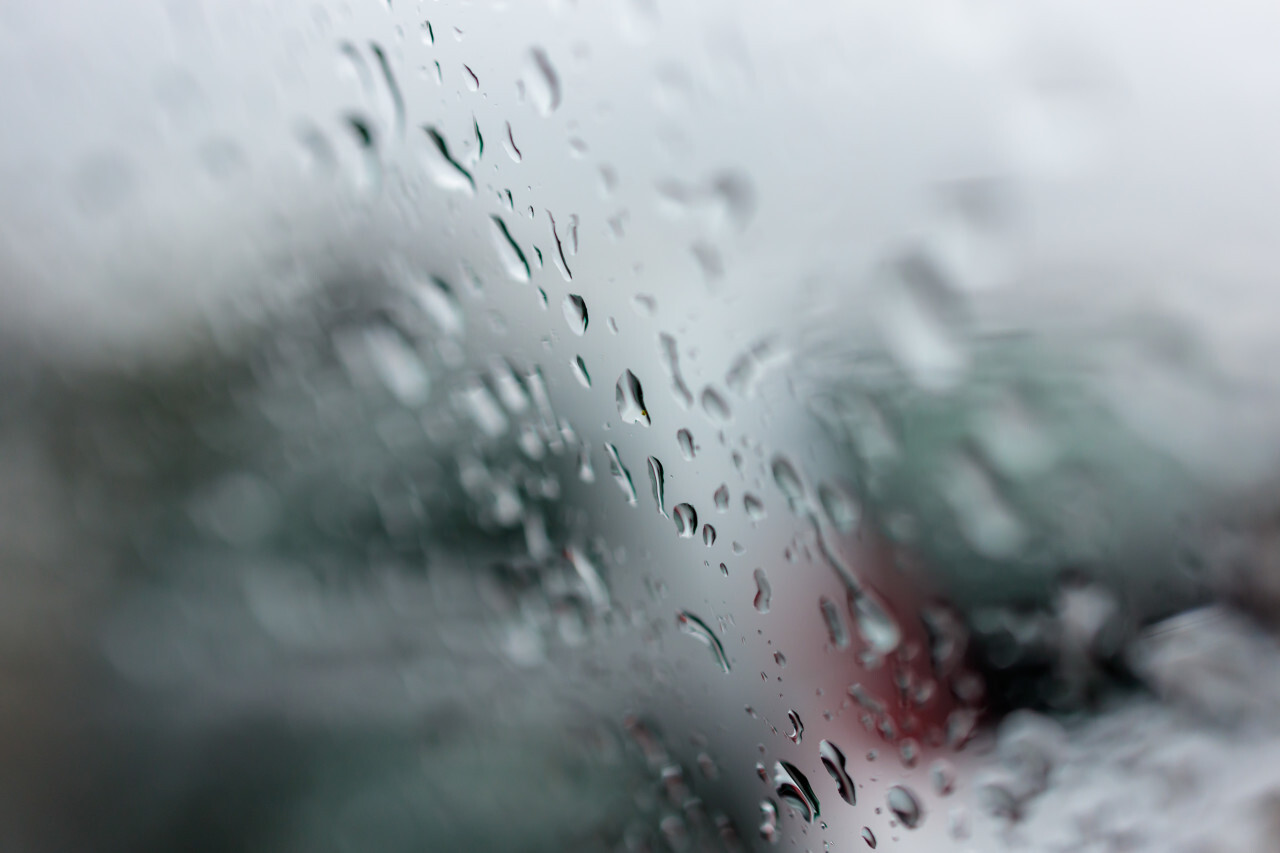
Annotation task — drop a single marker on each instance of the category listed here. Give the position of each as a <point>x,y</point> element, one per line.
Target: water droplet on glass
<point>793,788</point>
<point>630,398</point>
<point>696,628</point>
<point>780,659</point>
<point>764,592</point>
<point>580,372</point>
<point>658,485</point>
<point>909,752</point>
<point>586,473</point>
<point>620,474</point>
<point>788,482</point>
<point>923,321</point>
<point>708,535</point>
<point>721,498</point>
<point>510,145</point>
<point>685,440</point>
<point>542,82</point>
<point>987,522</point>
<point>671,358</point>
<point>879,629</point>
<point>724,570</point>
<point>575,313</point>
<point>768,821</point>
<point>442,167</point>
<point>512,257</point>
<point>905,806</point>
<point>943,776</point>
<point>836,631</point>
<point>754,507</point>
<point>839,507</point>
<point>797,726</point>
<point>686,518</point>
<point>715,406</point>
<point>869,837</point>
<point>833,760</point>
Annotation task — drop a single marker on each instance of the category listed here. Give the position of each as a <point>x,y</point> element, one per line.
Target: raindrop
<point>367,176</point>
<point>392,88</point>
<point>630,397</point>
<point>708,535</point>
<point>621,475</point>
<point>768,821</point>
<point>797,725</point>
<point>923,321</point>
<point>943,776</point>
<point>793,788</point>
<point>869,837</point>
<point>764,592</point>
<point>685,440</point>
<point>788,481</point>
<point>473,82</point>
<point>686,518</point>
<point>724,570</point>
<point>671,358</point>
<point>510,144</point>
<point>561,264</point>
<point>875,625</point>
<point>428,34</point>
<point>658,485</point>
<point>580,372</point>
<point>987,522</point>
<point>835,623</point>
<point>479,402</point>
<point>780,659</point>
<point>905,807</point>
<point>715,406</point>
<point>721,498</point>
<point>754,507</point>
<point>586,473</point>
<point>575,313</point>
<point>513,259</point>
<point>446,171</point>
<point>398,366</point>
<point>909,752</point>
<point>839,507</point>
<point>542,82</point>
<point>833,760</point>
<point>696,628</point>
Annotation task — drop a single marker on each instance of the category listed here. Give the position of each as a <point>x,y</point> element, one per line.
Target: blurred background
<point>548,425</point>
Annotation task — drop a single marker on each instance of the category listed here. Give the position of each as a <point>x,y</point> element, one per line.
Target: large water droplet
<point>905,806</point>
<point>686,518</point>
<point>754,507</point>
<point>793,788</point>
<point>869,837</point>
<point>764,592</point>
<point>542,82</point>
<point>512,257</point>
<point>696,628</point>
<point>833,760</point>
<point>658,484</point>
<point>987,522</point>
<point>621,475</point>
<point>575,313</point>
<point>708,535</point>
<point>685,440</point>
<point>630,397</point>
<point>836,632</point>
